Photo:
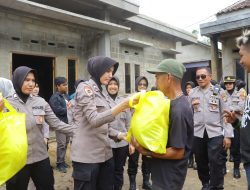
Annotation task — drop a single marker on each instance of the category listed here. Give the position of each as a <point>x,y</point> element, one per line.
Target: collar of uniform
<point>17,97</point>
<point>94,85</point>
<point>209,88</point>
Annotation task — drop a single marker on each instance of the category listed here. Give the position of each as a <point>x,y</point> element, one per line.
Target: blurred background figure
<point>77,82</point>
<point>6,87</point>
<point>70,107</point>
<point>191,163</point>
<point>59,102</point>
<point>189,86</point>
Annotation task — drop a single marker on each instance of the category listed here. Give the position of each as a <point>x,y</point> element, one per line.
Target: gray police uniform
<point>120,148</point>
<point>208,114</point>
<point>235,103</point>
<point>90,144</point>
<point>38,112</point>
<point>121,122</point>
<point>209,129</point>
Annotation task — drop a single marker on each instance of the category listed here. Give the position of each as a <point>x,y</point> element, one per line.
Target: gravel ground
<point>65,181</point>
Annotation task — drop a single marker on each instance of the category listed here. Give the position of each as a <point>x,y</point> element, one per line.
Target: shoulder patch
<point>88,90</point>
<point>243,94</point>
<point>224,96</point>
<point>95,88</point>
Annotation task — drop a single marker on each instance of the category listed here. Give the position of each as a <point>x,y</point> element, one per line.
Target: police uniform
<point>120,148</point>
<point>235,103</point>
<point>37,112</point>
<point>209,132</point>
<point>91,152</point>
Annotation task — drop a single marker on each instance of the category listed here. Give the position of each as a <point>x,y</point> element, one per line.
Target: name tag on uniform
<point>213,102</point>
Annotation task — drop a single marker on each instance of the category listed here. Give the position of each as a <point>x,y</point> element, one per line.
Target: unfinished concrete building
<point>57,37</point>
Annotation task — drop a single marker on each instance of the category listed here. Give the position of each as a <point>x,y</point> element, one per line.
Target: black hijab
<point>113,96</point>
<point>98,65</point>
<point>18,78</point>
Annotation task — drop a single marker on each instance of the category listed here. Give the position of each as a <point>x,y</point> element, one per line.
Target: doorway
<point>44,67</point>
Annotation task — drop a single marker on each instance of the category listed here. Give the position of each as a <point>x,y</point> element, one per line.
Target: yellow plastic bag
<point>13,142</point>
<point>150,121</point>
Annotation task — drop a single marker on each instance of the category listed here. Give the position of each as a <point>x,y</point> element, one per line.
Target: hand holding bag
<point>13,142</point>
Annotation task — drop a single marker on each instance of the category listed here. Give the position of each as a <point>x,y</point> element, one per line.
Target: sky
<point>185,14</point>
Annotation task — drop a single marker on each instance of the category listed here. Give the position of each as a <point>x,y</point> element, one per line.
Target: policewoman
<point>37,112</point>
<point>121,123</point>
<point>236,104</point>
<point>93,165</point>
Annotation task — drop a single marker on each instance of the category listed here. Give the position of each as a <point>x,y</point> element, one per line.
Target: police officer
<point>208,105</point>
<point>236,104</point>
<point>121,123</point>
<point>37,112</point>
<point>93,165</point>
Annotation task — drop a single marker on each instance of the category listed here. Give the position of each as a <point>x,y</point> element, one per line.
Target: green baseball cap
<point>171,66</point>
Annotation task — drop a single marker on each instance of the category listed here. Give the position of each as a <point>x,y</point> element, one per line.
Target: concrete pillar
<point>6,64</point>
<point>104,39</point>
<point>104,44</point>
<point>215,65</point>
<point>229,57</point>
<point>61,66</point>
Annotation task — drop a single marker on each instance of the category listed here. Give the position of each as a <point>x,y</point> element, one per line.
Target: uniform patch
<point>224,96</point>
<point>243,94</point>
<point>196,104</point>
<point>95,88</point>
<point>88,90</point>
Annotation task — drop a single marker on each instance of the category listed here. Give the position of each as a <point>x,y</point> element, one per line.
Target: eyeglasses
<point>142,84</point>
<point>202,77</point>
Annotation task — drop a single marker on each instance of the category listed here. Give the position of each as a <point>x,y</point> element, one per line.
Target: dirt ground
<point>65,181</point>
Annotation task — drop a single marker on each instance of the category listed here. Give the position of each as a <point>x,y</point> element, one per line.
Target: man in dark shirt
<point>58,102</point>
<point>169,170</point>
<point>243,43</point>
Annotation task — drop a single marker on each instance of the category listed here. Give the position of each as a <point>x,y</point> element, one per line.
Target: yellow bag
<point>13,142</point>
<point>150,121</point>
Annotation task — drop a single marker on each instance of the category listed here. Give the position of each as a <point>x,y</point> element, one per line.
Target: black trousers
<point>133,164</point>
<point>94,176</point>
<point>40,172</point>
<point>120,155</point>
<point>235,148</point>
<point>209,159</point>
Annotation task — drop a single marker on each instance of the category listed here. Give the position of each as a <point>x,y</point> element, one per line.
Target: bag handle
<point>8,106</point>
<point>139,95</point>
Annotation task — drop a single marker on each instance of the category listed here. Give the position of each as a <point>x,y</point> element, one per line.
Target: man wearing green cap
<point>168,171</point>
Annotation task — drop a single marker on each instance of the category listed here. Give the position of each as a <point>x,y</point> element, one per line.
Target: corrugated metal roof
<point>242,4</point>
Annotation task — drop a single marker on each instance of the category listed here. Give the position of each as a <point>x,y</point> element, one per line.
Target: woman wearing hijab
<point>141,84</point>
<point>91,153</point>
<point>37,112</point>
<point>121,123</point>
